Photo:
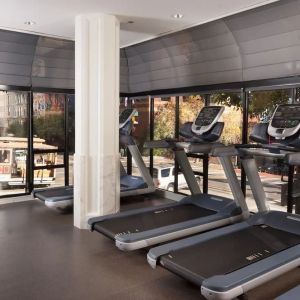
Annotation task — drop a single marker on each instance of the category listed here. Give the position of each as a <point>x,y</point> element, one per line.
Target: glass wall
<point>124,103</point>
<point>13,142</point>
<point>232,134</point>
<point>164,127</point>
<point>140,130</point>
<point>273,172</point>
<point>71,135</point>
<point>189,107</point>
<point>49,134</point>
<point>297,95</point>
<point>49,141</point>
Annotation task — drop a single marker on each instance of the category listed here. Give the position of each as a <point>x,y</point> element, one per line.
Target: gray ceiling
<point>27,60</point>
<point>259,44</point>
<point>56,18</point>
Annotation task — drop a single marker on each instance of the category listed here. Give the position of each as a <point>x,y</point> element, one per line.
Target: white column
<point>96,160</point>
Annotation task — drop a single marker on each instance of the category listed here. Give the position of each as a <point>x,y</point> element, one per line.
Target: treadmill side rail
<point>241,281</point>
<point>223,212</point>
<point>228,295</point>
<point>174,234</point>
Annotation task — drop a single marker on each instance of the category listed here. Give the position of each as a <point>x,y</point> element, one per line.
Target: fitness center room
<point>150,150</point>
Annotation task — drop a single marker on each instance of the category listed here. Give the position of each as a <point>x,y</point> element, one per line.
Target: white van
<point>163,178</point>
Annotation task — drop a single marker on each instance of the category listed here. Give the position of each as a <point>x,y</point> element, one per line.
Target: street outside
<point>59,180</point>
<point>217,182</point>
<point>218,185</point>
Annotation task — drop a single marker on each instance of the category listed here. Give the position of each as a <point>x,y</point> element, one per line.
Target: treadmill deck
<point>152,220</point>
<point>228,253</point>
<point>55,194</point>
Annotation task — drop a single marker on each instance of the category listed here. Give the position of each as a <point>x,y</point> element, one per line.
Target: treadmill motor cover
<point>55,194</point>
<point>130,182</point>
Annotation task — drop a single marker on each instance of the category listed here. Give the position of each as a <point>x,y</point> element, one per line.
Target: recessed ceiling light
<point>29,23</point>
<point>130,22</point>
<point>177,16</point>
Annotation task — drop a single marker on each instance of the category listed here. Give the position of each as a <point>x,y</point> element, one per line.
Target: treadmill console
<point>207,118</point>
<point>125,116</point>
<point>285,121</point>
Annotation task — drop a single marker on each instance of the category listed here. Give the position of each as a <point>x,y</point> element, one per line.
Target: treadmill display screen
<point>286,116</point>
<point>125,114</point>
<point>207,115</point>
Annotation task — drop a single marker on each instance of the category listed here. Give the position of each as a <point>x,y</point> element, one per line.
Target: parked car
<point>163,178</point>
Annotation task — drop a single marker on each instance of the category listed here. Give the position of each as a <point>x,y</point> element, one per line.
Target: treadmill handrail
<point>197,147</point>
<point>273,146</point>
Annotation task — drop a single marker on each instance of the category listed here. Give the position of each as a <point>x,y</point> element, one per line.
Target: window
<point>189,107</point>
<point>164,127</point>
<point>232,134</point>
<point>272,171</point>
<point>140,130</point>
<point>49,127</point>
<point>165,172</point>
<point>13,142</point>
<point>4,156</point>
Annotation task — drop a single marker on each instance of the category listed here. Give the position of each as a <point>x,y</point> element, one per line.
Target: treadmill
<point>144,227</point>
<point>256,250</point>
<point>131,185</point>
<point>61,198</point>
<point>293,294</point>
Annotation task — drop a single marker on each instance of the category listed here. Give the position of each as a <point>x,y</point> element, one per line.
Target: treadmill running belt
<point>151,220</point>
<point>228,253</point>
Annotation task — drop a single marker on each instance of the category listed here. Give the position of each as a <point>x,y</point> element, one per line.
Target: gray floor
<point>42,256</point>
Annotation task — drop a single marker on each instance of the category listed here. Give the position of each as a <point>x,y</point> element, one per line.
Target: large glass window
<point>140,131</point>
<point>49,137</point>
<point>71,135</point>
<point>272,171</point>
<point>141,128</point>
<point>13,142</point>
<point>49,142</point>
<point>164,127</point>
<point>232,134</point>
<point>297,96</point>
<point>189,107</point>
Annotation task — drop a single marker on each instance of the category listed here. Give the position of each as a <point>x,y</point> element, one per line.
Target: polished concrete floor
<point>42,256</point>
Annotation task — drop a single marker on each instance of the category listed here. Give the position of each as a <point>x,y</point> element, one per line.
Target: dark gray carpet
<point>42,256</point>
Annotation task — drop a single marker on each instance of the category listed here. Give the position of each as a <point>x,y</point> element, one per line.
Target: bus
<point>13,158</point>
